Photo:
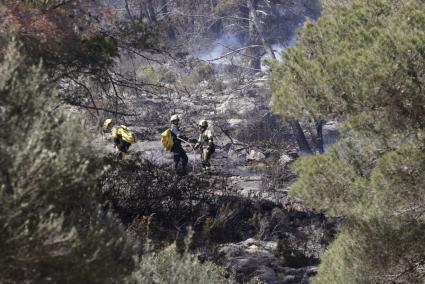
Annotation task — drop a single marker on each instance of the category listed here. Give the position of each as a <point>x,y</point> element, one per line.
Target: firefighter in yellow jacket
<point>205,144</point>
<point>123,137</point>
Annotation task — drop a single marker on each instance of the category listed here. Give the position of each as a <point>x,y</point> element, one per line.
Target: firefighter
<point>179,154</point>
<point>123,137</point>
<point>206,145</point>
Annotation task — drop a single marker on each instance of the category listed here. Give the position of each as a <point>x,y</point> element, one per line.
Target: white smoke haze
<point>228,43</point>
<point>221,46</point>
<point>280,48</point>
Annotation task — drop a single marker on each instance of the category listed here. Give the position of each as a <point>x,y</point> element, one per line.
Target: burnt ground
<point>229,217</point>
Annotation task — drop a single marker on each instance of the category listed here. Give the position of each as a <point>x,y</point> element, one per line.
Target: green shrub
<point>169,266</point>
<point>50,221</point>
<point>150,75</point>
<point>363,62</point>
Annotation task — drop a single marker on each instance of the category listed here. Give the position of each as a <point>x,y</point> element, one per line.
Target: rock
<point>249,242</point>
<point>234,153</point>
<point>289,279</point>
<point>230,251</point>
<point>285,159</point>
<point>240,105</point>
<point>331,126</point>
<point>312,270</point>
<point>203,84</point>
<point>235,123</point>
<point>330,133</point>
<point>255,156</point>
<point>252,259</point>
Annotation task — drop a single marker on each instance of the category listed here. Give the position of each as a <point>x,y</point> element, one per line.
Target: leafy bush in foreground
<point>168,266</point>
<point>49,217</point>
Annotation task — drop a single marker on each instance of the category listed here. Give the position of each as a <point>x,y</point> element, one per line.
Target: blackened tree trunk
<point>300,137</point>
<point>319,139</point>
<point>255,22</point>
<point>253,54</point>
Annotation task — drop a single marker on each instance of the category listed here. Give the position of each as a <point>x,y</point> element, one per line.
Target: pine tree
<point>363,63</point>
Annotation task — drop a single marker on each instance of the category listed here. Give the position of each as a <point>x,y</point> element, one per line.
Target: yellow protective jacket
<point>122,132</point>
<point>205,139</point>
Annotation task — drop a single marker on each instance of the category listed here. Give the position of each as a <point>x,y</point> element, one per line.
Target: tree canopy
<point>362,63</point>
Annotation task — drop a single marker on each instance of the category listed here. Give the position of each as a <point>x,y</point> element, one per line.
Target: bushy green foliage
<point>363,63</point>
<point>379,250</point>
<point>149,75</point>
<point>168,266</point>
<point>365,57</point>
<point>51,230</point>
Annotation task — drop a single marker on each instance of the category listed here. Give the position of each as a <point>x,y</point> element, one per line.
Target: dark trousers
<point>179,154</point>
<point>122,146</point>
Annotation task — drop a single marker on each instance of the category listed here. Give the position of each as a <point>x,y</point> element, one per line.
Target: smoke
<point>221,46</point>
<point>228,43</point>
<point>280,48</point>
<point>224,51</point>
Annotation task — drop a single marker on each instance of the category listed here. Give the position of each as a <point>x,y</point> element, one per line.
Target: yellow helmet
<point>203,123</point>
<point>174,118</point>
<point>107,123</point>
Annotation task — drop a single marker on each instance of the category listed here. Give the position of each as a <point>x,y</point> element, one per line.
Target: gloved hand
<point>183,137</point>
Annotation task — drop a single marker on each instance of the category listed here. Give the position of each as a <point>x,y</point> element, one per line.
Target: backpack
<point>167,140</point>
<point>127,135</point>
